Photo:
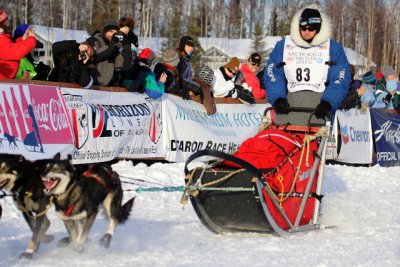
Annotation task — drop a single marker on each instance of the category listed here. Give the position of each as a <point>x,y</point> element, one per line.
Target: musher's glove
<point>322,110</point>
<point>281,106</point>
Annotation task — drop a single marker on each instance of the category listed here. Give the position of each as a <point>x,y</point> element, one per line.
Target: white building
<point>46,36</point>
<point>217,51</point>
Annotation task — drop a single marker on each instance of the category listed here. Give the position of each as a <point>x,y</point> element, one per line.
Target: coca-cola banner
<point>33,121</point>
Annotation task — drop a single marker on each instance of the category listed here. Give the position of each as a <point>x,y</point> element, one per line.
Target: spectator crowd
<point>109,58</point>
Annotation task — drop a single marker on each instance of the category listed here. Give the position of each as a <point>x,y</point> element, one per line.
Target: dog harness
<point>89,174</point>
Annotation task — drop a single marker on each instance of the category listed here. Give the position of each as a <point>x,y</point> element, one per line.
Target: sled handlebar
<point>292,109</point>
<point>302,109</point>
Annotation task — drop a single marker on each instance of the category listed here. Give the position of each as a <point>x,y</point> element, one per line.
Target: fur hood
<point>320,38</point>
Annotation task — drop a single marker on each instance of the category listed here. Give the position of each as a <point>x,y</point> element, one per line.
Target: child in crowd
<point>143,79</point>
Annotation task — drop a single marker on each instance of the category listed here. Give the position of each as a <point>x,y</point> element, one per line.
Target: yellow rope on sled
<point>305,147</point>
<point>187,192</point>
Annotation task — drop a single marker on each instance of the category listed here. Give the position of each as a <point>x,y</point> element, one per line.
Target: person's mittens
<point>281,106</point>
<point>322,110</point>
<point>387,99</point>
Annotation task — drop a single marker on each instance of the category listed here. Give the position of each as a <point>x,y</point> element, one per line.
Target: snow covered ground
<point>363,203</point>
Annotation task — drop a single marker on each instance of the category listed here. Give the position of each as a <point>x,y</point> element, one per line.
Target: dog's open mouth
<point>50,183</point>
<point>4,183</point>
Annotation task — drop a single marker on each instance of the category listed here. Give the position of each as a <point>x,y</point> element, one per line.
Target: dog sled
<point>272,184</point>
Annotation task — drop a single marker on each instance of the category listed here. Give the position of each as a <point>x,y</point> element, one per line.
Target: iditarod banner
<point>356,136</point>
<point>109,125</point>
<point>386,127</point>
<point>33,121</point>
<point>188,128</point>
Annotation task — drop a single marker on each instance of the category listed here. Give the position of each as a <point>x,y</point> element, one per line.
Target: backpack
<point>286,165</point>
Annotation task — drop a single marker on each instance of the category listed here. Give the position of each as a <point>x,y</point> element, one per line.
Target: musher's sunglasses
<point>309,28</point>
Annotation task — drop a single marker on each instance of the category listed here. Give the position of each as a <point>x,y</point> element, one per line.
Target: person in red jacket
<point>11,53</point>
<point>250,80</point>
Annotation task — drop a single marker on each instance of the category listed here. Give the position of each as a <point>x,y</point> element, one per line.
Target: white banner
<point>356,136</point>
<point>109,125</point>
<point>188,128</point>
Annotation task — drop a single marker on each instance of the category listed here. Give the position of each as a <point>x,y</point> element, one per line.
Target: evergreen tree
<point>194,31</point>
<point>273,22</point>
<point>258,44</point>
<point>172,32</point>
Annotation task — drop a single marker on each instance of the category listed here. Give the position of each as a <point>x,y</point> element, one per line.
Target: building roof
<point>57,34</point>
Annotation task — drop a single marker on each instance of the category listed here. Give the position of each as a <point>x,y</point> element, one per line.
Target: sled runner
<point>272,184</point>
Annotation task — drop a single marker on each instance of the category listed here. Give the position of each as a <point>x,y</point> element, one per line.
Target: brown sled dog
<point>20,178</point>
<point>77,194</point>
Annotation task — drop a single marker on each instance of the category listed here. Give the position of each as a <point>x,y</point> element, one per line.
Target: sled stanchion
<point>321,174</point>
<point>310,181</point>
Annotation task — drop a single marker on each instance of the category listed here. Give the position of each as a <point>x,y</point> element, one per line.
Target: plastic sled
<point>230,194</point>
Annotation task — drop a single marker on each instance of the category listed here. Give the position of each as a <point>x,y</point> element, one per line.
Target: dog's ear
<point>57,156</point>
<point>69,157</point>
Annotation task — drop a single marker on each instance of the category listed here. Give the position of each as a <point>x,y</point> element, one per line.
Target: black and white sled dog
<point>21,179</point>
<point>77,195</point>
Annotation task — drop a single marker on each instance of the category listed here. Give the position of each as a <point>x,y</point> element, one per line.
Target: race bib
<point>305,69</point>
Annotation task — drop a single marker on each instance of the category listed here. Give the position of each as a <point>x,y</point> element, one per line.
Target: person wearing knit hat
<point>3,18</point>
<point>185,51</point>
<point>392,96</point>
<point>369,78</point>
<point>20,30</point>
<point>171,58</point>
<point>232,67</point>
<point>389,73</point>
<point>143,79</point>
<point>376,95</point>
<point>27,64</point>
<point>224,86</point>
<point>148,55</point>
<point>109,54</point>
<point>184,42</point>
<point>111,26</point>
<point>123,62</point>
<point>294,76</point>
<point>224,78</point>
<point>247,77</point>
<point>12,52</point>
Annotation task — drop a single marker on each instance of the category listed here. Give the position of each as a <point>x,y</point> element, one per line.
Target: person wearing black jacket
<point>71,65</point>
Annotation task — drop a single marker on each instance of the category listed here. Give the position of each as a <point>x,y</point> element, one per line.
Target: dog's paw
<point>105,240</point>
<point>79,248</point>
<point>63,242</point>
<point>46,239</point>
<point>26,255</point>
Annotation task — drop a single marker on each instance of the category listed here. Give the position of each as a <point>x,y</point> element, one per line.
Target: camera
<point>82,55</point>
<point>119,37</point>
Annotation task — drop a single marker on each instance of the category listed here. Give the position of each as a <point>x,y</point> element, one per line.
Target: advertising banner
<point>356,136</point>
<point>108,125</point>
<point>386,129</point>
<point>33,121</point>
<point>188,128</point>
